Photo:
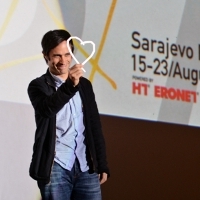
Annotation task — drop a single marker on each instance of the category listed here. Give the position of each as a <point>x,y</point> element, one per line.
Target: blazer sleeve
<point>46,100</point>
<point>99,141</point>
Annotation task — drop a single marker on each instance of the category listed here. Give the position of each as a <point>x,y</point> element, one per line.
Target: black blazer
<point>47,102</point>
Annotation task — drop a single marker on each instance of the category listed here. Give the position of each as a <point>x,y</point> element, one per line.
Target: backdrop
<point>146,66</point>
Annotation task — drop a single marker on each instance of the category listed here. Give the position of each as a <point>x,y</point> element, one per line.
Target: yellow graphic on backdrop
<point>9,15</point>
<point>93,61</point>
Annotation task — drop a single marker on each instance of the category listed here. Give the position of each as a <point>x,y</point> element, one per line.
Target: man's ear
<point>45,57</point>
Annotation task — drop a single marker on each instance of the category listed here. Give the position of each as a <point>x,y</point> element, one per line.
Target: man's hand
<point>103,178</point>
<point>75,73</point>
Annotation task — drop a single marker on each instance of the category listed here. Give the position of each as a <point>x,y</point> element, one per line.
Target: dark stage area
<point>151,160</point>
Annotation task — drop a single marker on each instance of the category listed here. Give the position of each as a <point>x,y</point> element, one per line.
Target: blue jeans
<point>71,185</point>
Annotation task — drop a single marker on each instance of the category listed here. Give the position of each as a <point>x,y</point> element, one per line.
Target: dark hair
<point>51,39</point>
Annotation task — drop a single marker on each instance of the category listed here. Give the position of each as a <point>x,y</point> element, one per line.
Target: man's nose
<point>62,59</point>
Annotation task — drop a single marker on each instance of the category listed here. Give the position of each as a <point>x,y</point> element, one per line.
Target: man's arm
<point>98,138</point>
<point>48,104</point>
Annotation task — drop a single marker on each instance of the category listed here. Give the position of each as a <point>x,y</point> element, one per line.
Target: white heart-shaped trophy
<point>82,43</point>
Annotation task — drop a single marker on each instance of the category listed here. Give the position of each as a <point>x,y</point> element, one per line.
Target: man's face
<point>59,60</point>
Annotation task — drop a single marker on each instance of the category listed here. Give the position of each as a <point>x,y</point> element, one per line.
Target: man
<point>69,158</point>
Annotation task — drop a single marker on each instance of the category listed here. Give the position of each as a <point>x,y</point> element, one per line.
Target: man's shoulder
<point>41,79</point>
<point>85,85</point>
<point>84,80</point>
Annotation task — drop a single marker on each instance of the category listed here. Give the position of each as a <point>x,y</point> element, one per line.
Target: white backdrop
<point>146,66</point>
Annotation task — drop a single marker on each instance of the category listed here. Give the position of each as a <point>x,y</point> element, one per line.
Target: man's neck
<point>63,76</point>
